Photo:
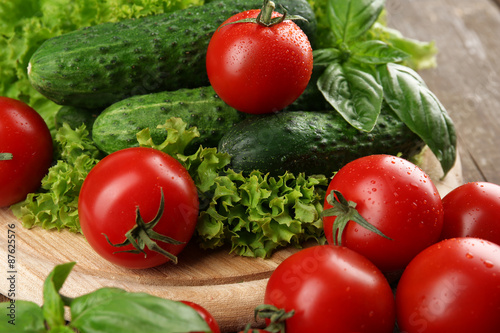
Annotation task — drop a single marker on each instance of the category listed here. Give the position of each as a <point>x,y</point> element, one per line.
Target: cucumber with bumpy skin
<point>96,66</point>
<point>116,127</point>
<point>312,142</point>
<point>75,117</point>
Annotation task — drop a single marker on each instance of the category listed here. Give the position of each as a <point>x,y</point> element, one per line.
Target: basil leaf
<point>375,52</point>
<point>408,96</point>
<point>112,311</point>
<point>22,316</point>
<point>82,303</point>
<point>324,57</point>
<point>349,19</point>
<point>53,305</point>
<point>354,92</point>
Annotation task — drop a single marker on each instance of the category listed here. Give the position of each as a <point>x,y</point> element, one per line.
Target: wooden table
<point>467,78</point>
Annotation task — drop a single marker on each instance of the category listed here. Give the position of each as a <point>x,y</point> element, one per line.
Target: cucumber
<point>97,66</point>
<point>312,142</point>
<point>75,117</point>
<point>116,127</point>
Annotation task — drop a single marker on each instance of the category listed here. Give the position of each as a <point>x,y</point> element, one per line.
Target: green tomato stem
<point>266,13</point>
<point>5,156</point>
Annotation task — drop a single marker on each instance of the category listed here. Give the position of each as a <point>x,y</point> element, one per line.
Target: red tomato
<point>259,69</point>
<point>25,135</point>
<point>129,179</point>
<point>396,197</point>
<point>452,286</point>
<point>331,289</point>
<point>207,316</point>
<point>472,210</point>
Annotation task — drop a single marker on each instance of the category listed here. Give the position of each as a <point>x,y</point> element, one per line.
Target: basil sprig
<point>360,72</point>
<point>102,311</point>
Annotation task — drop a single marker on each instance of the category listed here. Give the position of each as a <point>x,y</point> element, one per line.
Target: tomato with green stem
<point>399,203</point>
<point>259,61</point>
<point>26,150</point>
<point>138,208</point>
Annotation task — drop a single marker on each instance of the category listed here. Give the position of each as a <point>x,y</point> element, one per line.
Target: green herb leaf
<point>411,100</point>
<point>354,92</point>
<point>110,310</point>
<point>421,54</point>
<point>324,57</point>
<point>375,52</point>
<point>349,19</point>
<point>21,316</point>
<point>53,305</point>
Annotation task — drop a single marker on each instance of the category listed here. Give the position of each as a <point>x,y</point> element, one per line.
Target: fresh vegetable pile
<point>255,194</point>
<point>254,132</point>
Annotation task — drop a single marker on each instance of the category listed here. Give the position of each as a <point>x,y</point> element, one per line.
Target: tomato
<point>472,210</point>
<point>395,196</point>
<point>452,286</point>
<point>130,179</point>
<point>26,139</point>
<point>331,289</point>
<point>259,69</point>
<point>207,316</point>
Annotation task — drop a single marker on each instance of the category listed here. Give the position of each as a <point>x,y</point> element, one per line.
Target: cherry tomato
<point>397,198</point>
<point>472,210</point>
<point>331,289</point>
<point>207,316</point>
<point>26,148</point>
<point>452,286</point>
<point>259,69</point>
<point>134,179</point>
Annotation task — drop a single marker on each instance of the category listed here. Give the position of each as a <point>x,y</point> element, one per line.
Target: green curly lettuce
<point>55,206</point>
<point>255,213</point>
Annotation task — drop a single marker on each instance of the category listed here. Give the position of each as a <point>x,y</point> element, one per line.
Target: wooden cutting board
<point>227,285</point>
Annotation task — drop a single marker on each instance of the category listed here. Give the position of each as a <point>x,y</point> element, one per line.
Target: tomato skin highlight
<point>332,289</point>
<point>472,210</point>
<point>257,69</point>
<point>452,286</point>
<point>396,197</point>
<point>25,135</point>
<point>131,178</point>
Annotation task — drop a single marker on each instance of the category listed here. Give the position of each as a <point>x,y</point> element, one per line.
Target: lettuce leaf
<point>26,24</point>
<point>55,206</point>
<point>255,214</point>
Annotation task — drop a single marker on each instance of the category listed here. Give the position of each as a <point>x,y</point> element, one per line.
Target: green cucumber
<point>312,142</point>
<point>97,66</point>
<point>116,127</point>
<point>75,117</point>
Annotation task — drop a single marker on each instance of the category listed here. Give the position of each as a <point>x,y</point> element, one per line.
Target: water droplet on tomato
<point>469,255</point>
<point>488,264</point>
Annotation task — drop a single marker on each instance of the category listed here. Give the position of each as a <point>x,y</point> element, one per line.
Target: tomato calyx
<point>142,235</point>
<point>264,17</point>
<point>275,317</point>
<point>5,156</point>
<point>345,211</point>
